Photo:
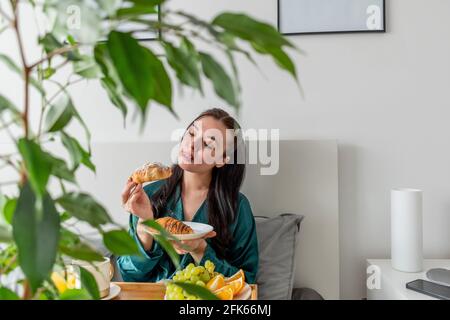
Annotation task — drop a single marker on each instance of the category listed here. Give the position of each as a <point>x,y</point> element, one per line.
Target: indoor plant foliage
<point>34,228</point>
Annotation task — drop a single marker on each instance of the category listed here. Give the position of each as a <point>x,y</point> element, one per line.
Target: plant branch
<point>10,263</point>
<point>26,70</point>
<point>6,127</point>
<point>5,15</point>
<point>7,124</point>
<point>62,64</point>
<point>8,160</point>
<point>56,52</point>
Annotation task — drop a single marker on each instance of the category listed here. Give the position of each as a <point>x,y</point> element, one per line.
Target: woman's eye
<point>191,133</point>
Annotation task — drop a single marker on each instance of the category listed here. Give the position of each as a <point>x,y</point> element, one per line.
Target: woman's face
<point>203,145</point>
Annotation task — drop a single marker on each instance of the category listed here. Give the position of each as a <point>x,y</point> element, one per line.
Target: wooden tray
<point>153,291</point>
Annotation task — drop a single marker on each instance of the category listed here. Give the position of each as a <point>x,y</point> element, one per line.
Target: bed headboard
<point>306,183</point>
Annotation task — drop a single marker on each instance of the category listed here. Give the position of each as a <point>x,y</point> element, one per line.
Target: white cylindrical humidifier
<point>406,230</point>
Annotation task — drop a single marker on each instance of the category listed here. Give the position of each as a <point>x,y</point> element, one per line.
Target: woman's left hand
<point>195,247</point>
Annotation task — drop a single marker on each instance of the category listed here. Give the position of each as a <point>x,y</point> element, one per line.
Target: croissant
<point>151,172</point>
<point>174,226</point>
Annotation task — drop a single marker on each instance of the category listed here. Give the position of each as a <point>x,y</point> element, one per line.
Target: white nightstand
<point>393,283</point>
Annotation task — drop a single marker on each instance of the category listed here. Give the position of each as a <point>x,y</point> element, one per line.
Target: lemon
<point>59,282</point>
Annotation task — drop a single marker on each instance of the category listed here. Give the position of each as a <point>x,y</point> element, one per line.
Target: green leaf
<point>184,61</point>
<point>141,73</point>
<point>77,153</point>
<point>8,209</point>
<point>75,294</point>
<point>83,207</point>
<point>109,7</point>
<point>59,114</point>
<point>60,170</point>
<point>146,2</point>
<point>81,251</point>
<point>114,96</point>
<point>222,83</point>
<point>280,57</point>
<point>37,164</point>
<point>51,43</point>
<point>64,217</point>
<point>229,41</point>
<point>15,68</point>
<point>264,38</point>
<point>87,68</point>
<point>163,239</point>
<point>85,127</point>
<point>196,290</point>
<point>251,30</point>
<point>120,243</point>
<point>7,294</point>
<point>89,283</point>
<point>136,10</point>
<point>49,72</point>
<point>6,104</point>
<point>5,233</point>
<point>36,233</point>
<point>71,245</point>
<point>237,85</point>
<point>110,81</point>
<point>8,258</point>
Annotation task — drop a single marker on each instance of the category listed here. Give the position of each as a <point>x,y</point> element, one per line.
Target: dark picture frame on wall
<point>297,17</point>
<point>143,36</point>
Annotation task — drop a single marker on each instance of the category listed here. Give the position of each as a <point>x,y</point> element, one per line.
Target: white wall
<point>383,96</point>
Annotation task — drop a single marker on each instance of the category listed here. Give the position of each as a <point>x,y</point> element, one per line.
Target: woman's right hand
<point>136,201</point>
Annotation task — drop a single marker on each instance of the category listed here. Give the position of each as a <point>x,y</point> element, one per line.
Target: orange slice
<point>237,275</point>
<point>225,293</point>
<point>237,285</point>
<point>216,283</point>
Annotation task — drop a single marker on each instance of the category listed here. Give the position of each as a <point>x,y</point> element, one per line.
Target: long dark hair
<point>223,193</point>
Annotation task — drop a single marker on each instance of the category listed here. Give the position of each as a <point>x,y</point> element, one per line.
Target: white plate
<point>200,230</point>
<point>114,291</point>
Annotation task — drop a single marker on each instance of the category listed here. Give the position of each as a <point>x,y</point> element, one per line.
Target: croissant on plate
<point>174,226</point>
<point>151,172</point>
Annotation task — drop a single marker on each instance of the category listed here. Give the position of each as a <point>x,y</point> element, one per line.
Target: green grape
<point>195,272</point>
<point>200,283</point>
<point>202,268</point>
<point>178,296</point>
<point>190,266</point>
<point>188,274</point>
<point>194,279</point>
<point>176,278</point>
<point>170,296</point>
<point>178,289</point>
<point>205,277</point>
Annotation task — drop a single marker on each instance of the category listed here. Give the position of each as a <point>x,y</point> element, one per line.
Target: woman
<point>204,187</point>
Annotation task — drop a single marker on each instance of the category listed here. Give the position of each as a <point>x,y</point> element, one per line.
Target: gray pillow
<point>277,240</point>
